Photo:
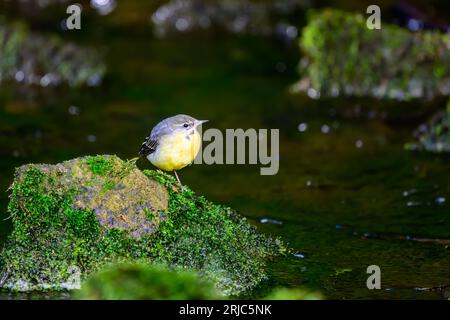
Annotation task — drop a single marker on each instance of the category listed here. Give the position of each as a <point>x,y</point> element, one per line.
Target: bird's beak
<point>200,122</point>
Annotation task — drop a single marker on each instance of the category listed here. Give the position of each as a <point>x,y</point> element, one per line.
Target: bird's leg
<point>178,179</point>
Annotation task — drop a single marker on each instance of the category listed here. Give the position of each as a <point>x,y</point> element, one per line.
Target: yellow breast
<point>176,151</point>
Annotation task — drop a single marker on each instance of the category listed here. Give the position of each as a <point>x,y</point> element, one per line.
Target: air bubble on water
<point>73,110</point>
<point>268,220</point>
<point>104,7</point>
<point>313,93</point>
<point>291,32</point>
<point>409,192</point>
<point>182,24</point>
<point>95,80</point>
<point>91,138</point>
<point>46,80</point>
<point>359,143</point>
<point>19,76</point>
<point>302,127</point>
<point>325,129</point>
<point>308,183</point>
<point>161,15</point>
<point>414,24</point>
<point>413,203</point>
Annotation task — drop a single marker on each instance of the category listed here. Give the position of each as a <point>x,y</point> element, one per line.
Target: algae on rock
<point>78,216</point>
<point>35,59</point>
<point>343,57</point>
<point>434,135</point>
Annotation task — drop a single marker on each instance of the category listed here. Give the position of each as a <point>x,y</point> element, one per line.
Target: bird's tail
<point>134,160</point>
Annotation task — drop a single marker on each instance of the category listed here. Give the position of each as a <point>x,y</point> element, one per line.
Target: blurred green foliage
<point>141,281</point>
<point>36,59</point>
<point>293,294</point>
<point>343,57</point>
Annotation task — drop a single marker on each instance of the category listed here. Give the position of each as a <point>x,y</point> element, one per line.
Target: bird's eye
<point>186,125</point>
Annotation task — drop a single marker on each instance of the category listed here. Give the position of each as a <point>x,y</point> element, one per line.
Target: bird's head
<point>183,122</point>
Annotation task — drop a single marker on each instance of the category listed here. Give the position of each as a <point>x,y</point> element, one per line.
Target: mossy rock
<point>341,56</point>
<point>140,281</point>
<point>35,59</point>
<point>433,136</point>
<point>76,217</point>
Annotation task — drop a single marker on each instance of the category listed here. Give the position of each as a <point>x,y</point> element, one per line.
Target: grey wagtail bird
<point>173,143</point>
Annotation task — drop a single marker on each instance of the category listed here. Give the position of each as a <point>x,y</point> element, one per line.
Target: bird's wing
<point>151,142</point>
<point>148,147</point>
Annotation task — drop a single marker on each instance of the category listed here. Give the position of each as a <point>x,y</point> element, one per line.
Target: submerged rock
<point>343,57</point>
<point>34,59</point>
<point>433,136</point>
<point>78,216</point>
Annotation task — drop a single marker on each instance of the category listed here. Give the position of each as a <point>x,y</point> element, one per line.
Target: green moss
<point>38,55</point>
<point>141,281</point>
<point>99,165</point>
<point>83,223</point>
<point>343,57</point>
<point>66,225</point>
<point>293,294</point>
<point>109,185</point>
<point>212,239</point>
<point>433,136</point>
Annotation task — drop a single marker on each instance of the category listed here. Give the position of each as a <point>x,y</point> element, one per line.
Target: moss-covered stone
<point>343,57</point>
<point>75,217</point>
<point>139,281</point>
<point>433,136</point>
<point>35,59</point>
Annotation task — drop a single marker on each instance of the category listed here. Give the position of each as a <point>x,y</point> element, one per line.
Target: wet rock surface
<point>78,216</point>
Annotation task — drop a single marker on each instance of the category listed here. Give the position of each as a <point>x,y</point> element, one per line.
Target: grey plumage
<point>165,127</point>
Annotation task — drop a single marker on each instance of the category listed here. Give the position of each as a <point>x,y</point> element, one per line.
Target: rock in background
<point>35,59</point>
<point>343,57</point>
